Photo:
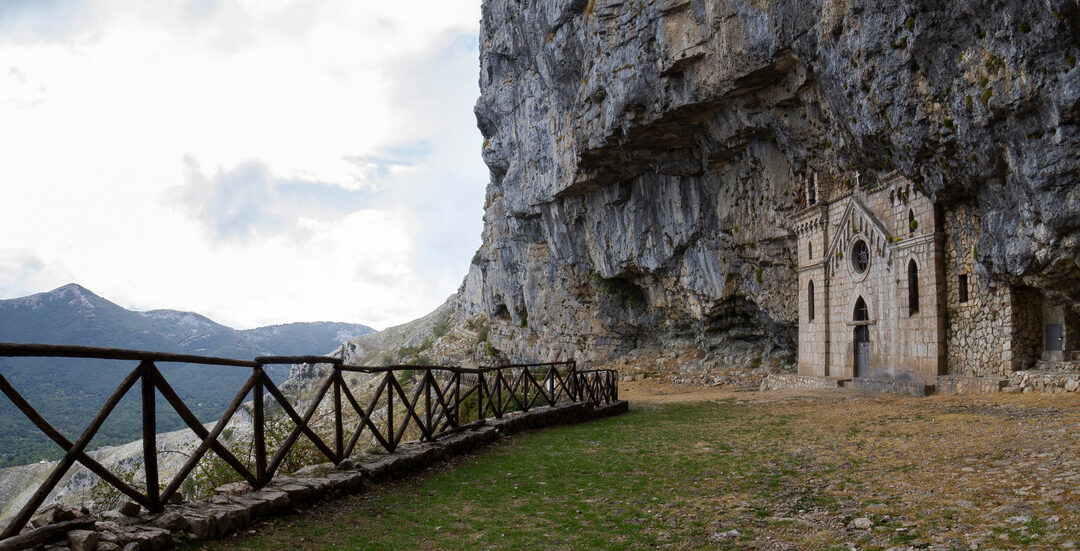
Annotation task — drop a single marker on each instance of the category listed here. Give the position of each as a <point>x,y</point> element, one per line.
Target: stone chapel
<point>890,296</point>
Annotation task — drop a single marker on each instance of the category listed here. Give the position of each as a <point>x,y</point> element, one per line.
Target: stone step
<point>962,384</point>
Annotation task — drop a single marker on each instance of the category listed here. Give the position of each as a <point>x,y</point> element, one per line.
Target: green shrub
<point>441,328</point>
<point>104,497</point>
<point>630,293</point>
<point>419,360</point>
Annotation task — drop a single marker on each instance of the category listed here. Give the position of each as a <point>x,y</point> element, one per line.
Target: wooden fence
<point>439,401</point>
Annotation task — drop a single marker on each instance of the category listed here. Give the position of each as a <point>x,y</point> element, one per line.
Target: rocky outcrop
<point>645,155</point>
<point>446,336</point>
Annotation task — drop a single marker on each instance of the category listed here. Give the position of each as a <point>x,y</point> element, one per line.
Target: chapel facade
<point>889,290</point>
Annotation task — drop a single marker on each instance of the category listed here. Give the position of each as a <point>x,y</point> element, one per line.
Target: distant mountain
<point>75,315</point>
<point>68,392</point>
<point>289,338</point>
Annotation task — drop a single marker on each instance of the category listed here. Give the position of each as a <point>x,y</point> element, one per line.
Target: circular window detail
<point>860,257</point>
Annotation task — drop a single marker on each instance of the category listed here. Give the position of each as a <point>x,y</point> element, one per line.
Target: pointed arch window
<point>862,313</point>
<point>810,301</point>
<point>913,288</point>
<point>913,224</point>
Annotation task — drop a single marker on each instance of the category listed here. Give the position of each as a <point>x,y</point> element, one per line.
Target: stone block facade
<point>870,257</point>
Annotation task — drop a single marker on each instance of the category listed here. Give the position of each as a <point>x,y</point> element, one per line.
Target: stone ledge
<point>612,409</point>
<point>237,506</point>
<point>778,381</point>
<point>962,384</point>
<point>891,386</point>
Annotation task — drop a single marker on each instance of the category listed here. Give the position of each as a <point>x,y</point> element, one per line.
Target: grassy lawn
<point>787,472</point>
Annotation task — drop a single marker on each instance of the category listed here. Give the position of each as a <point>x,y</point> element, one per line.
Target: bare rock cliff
<point>645,155</point>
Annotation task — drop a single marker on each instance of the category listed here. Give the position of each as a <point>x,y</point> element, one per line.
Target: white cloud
<point>186,154</point>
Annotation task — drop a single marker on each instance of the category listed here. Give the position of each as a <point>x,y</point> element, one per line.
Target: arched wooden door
<point>862,339</point>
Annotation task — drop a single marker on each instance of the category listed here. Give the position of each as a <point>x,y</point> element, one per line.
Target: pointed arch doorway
<point>862,339</point>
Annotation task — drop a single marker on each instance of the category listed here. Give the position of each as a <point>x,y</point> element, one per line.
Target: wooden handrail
<point>435,408</point>
<point>92,352</point>
<point>271,360</point>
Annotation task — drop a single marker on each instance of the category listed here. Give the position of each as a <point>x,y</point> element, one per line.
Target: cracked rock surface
<point>645,156</point>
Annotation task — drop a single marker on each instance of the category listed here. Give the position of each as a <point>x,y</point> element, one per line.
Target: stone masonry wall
<point>979,332</point>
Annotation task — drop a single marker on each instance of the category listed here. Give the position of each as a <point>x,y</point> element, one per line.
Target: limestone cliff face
<point>645,155</point>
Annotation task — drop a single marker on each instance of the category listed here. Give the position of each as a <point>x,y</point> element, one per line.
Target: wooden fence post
<point>428,381</point>
<point>390,382</point>
<point>457,398</point>
<point>149,421</point>
<point>525,376</point>
<point>339,429</point>
<point>499,380</point>
<point>575,393</point>
<point>481,383</point>
<point>258,422</point>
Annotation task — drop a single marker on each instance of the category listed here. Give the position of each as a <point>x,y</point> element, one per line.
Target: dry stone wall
<point>992,328</point>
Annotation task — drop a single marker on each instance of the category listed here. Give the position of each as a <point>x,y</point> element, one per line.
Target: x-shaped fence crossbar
<point>441,398</point>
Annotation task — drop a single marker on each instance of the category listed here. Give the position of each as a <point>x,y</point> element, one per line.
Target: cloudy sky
<point>257,161</point>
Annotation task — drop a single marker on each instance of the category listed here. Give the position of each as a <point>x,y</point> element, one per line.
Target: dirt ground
<point>649,391</point>
<point>656,392</point>
<point>995,471</point>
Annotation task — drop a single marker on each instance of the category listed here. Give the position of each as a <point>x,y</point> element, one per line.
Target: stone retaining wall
<point>1051,382</point>
<point>236,506</point>
<point>959,384</point>
<point>777,381</point>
